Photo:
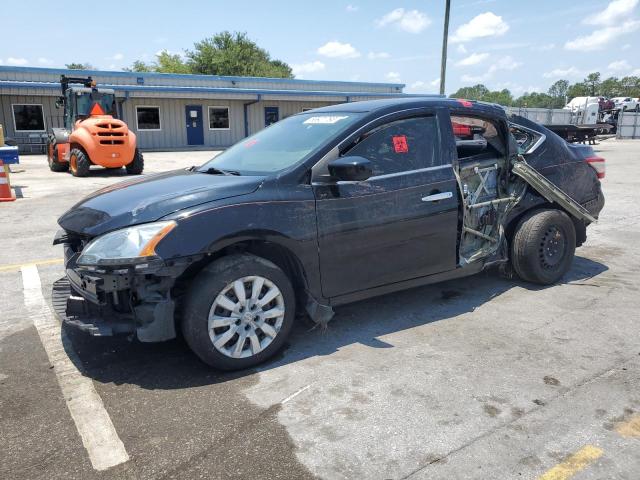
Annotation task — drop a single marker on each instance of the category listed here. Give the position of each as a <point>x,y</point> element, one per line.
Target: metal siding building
<point>179,104</point>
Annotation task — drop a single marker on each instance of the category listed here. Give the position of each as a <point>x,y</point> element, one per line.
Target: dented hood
<point>149,198</point>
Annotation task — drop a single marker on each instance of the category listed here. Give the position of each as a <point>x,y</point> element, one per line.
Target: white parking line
<point>96,430</point>
<point>294,395</point>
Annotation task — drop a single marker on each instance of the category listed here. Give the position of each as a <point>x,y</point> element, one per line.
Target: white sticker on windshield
<point>324,119</point>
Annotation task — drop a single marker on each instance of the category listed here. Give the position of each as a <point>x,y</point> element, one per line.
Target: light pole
<point>445,35</point>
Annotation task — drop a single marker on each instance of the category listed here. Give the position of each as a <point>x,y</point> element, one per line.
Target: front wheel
<point>239,312</point>
<point>137,164</point>
<point>543,246</point>
<point>79,163</point>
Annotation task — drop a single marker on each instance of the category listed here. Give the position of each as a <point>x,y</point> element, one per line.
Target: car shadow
<point>171,365</point>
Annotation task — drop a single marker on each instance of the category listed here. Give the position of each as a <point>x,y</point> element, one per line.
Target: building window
<point>218,118</point>
<point>148,118</point>
<point>28,118</point>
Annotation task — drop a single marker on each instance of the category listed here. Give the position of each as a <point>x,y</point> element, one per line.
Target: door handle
<point>436,197</point>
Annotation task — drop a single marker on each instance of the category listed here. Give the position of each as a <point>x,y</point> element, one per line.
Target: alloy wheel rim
<point>246,317</point>
<point>552,248</point>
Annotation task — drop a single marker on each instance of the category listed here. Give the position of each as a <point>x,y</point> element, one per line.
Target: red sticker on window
<point>400,144</point>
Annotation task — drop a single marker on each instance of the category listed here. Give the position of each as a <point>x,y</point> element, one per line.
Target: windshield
<point>85,101</point>
<point>283,144</point>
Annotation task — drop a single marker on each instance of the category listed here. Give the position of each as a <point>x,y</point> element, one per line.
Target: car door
<point>399,224</point>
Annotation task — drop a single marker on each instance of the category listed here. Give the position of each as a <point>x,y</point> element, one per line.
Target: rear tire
<point>543,246</point>
<point>52,159</point>
<point>79,163</point>
<point>244,333</point>
<point>137,164</point>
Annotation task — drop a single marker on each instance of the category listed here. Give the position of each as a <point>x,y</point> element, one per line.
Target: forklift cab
<point>79,103</point>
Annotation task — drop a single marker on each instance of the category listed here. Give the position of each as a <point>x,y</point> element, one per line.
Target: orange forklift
<point>92,135</point>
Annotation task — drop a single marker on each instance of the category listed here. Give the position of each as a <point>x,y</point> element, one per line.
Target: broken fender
<point>550,191</point>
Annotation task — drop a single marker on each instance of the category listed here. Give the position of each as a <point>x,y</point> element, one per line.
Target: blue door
<point>195,132</point>
<point>271,115</point>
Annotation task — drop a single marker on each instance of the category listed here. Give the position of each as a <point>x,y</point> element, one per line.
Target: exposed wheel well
<point>276,253</point>
<point>581,228</point>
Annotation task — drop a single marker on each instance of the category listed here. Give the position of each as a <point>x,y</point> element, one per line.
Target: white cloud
<point>412,21</point>
<point>619,65</point>
<point>377,55</point>
<point>352,8</point>
<point>393,76</point>
<point>626,46</point>
<point>461,49</point>
<point>473,78</point>
<point>504,63</point>
<point>309,67</point>
<point>636,72</point>
<point>486,24</point>
<point>563,73</point>
<point>338,50</point>
<point>473,59</point>
<point>16,61</point>
<point>543,48</point>
<point>45,61</point>
<point>118,56</point>
<point>598,39</point>
<point>422,86</point>
<point>615,11</point>
<point>518,89</point>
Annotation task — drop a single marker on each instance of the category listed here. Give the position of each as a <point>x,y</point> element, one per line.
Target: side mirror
<point>350,169</point>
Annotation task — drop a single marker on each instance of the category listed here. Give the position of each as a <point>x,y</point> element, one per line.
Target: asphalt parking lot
<point>483,377</point>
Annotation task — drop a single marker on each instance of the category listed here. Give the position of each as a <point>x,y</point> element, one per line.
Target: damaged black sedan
<point>323,208</point>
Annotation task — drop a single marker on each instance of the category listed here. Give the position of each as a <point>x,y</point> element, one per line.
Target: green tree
<point>482,93</point>
<point>79,66</point>
<point>477,92</point>
<point>579,89</point>
<point>611,87</point>
<point>229,53</point>
<point>630,86</point>
<point>535,100</point>
<point>171,63</point>
<point>166,62</point>
<point>558,91</point>
<point>140,66</point>
<point>593,83</point>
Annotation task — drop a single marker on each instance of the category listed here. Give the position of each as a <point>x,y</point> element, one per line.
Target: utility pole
<point>445,36</point>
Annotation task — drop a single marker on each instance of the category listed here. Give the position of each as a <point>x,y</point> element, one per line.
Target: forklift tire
<point>79,163</point>
<point>137,164</point>
<point>52,158</point>
<point>543,246</point>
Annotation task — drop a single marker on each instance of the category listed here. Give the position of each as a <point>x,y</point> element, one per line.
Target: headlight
<point>129,245</point>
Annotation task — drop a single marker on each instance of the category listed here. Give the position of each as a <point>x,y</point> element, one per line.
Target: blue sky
<point>523,46</point>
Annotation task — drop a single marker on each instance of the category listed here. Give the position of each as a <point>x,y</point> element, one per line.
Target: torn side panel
<point>550,191</point>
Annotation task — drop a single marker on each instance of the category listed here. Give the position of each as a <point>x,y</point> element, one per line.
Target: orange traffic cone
<point>6,195</point>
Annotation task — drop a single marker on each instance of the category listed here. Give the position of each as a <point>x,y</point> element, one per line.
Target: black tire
<point>79,163</point>
<point>137,164</point>
<point>52,159</point>
<point>543,246</point>
<point>204,290</point>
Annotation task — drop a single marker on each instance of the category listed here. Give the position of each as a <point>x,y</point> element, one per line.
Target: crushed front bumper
<point>119,300</point>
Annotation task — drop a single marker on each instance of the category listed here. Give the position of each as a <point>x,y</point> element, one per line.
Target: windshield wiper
<point>219,171</point>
